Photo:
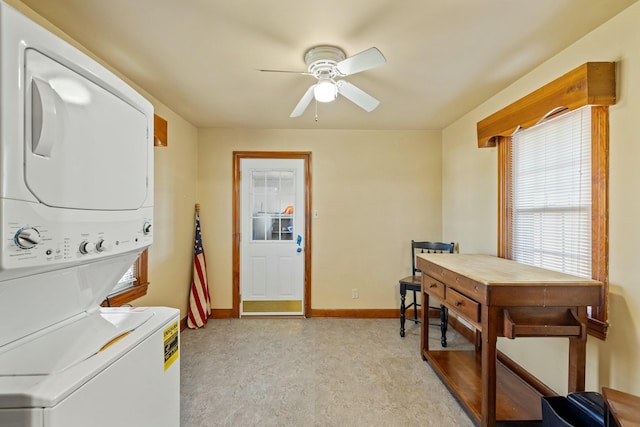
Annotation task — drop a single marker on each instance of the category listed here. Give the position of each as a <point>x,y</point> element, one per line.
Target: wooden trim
<point>160,134</point>
<point>600,206</point>
<point>126,296</point>
<point>235,213</point>
<point>367,313</point>
<point>237,155</point>
<point>593,83</point>
<point>386,313</point>
<point>347,313</point>
<point>504,196</point>
<point>221,313</point>
<point>370,313</point>
<point>307,232</point>
<point>142,268</point>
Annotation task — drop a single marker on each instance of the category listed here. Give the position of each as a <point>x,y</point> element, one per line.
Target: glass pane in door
<point>272,199</point>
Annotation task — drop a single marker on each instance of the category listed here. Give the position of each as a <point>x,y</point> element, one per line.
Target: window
<point>544,225</point>
<point>589,251</point>
<point>551,194</point>
<point>133,284</point>
<point>272,198</point>
<point>127,281</point>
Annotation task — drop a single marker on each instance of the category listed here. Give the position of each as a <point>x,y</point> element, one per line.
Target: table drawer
<point>463,305</point>
<point>433,287</point>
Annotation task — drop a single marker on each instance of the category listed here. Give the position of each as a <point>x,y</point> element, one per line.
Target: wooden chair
<point>413,283</point>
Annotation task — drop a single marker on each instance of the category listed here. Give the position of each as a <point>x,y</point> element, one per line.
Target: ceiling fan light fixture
<point>326,63</point>
<point>325,91</point>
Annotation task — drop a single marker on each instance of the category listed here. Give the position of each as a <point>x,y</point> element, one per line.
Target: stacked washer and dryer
<point>76,210</point>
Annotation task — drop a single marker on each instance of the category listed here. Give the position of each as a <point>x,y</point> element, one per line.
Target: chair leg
<point>403,308</point>
<point>415,308</point>
<point>444,323</point>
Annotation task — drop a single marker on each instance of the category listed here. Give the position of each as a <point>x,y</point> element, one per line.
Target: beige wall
<point>170,256</point>
<point>374,190</point>
<point>470,205</point>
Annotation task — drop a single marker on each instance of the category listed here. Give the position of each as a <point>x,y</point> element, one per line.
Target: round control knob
<point>85,247</point>
<point>146,228</point>
<point>101,246</point>
<point>27,238</point>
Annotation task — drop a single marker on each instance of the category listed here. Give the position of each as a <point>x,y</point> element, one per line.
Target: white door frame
<point>237,155</point>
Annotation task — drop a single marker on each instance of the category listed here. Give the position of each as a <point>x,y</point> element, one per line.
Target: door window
<point>272,199</point>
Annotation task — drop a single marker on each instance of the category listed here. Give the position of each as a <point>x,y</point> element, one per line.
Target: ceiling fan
<point>329,64</point>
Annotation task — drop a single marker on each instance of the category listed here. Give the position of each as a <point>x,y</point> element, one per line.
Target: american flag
<point>199,302</point>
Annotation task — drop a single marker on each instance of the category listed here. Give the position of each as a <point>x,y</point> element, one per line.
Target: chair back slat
<point>428,247</point>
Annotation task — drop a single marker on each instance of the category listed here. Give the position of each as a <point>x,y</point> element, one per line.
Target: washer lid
<point>85,146</point>
<point>53,351</point>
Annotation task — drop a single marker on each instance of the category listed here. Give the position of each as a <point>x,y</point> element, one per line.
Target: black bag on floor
<point>578,409</point>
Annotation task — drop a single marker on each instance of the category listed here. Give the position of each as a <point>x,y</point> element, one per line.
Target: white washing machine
<point>76,209</point>
<point>69,375</point>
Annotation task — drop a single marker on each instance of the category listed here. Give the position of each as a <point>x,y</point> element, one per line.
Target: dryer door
<point>85,147</point>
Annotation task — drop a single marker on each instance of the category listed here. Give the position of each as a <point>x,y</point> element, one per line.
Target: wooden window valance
<point>593,83</point>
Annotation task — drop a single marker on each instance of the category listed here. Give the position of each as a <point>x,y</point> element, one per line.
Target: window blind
<point>551,194</point>
<point>127,281</point>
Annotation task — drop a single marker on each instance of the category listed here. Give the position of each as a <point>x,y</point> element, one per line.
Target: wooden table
<point>623,407</point>
<point>503,298</point>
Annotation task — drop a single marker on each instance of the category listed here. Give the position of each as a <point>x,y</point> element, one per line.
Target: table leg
<point>424,326</point>
<point>489,354</point>
<point>578,355</point>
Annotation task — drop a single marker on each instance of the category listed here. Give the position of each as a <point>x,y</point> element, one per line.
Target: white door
<point>272,236</point>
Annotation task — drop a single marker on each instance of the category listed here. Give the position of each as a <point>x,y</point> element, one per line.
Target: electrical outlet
<point>354,293</point>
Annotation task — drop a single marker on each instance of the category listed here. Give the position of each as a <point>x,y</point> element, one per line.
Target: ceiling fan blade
<point>306,73</point>
<point>303,103</point>
<point>357,96</point>
<point>362,61</point>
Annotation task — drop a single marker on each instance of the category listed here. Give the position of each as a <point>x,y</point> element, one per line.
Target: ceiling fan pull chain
<point>316,102</point>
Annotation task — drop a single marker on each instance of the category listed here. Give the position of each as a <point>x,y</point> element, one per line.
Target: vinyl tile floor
<point>313,372</point>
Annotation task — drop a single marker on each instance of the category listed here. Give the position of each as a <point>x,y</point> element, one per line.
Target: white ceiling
<point>444,57</point>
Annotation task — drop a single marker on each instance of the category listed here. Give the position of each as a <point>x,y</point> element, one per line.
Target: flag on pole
<point>199,301</point>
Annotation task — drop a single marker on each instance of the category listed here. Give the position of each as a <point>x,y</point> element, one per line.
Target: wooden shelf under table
<point>461,373</point>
